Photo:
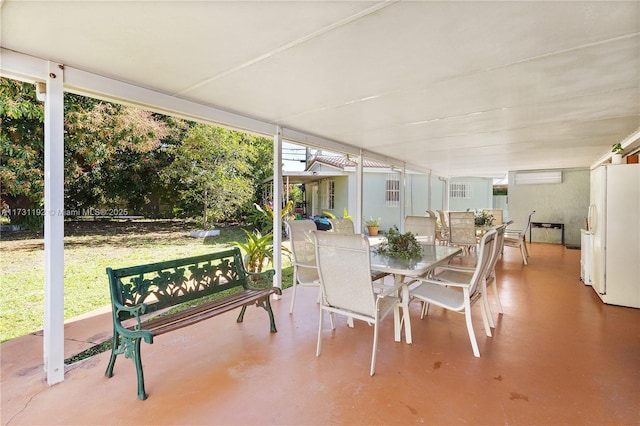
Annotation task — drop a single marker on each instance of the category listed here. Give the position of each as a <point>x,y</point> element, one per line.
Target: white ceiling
<point>462,88</point>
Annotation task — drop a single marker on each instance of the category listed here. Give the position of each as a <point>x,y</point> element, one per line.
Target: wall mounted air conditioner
<point>531,178</point>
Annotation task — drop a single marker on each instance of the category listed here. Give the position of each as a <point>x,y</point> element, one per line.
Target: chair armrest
<point>513,234</point>
<point>390,289</point>
<point>442,283</point>
<point>457,268</point>
<point>304,265</point>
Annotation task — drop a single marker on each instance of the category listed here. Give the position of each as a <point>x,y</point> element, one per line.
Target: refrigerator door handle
<point>591,218</point>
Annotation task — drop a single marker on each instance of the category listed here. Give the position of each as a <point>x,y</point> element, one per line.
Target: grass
<point>90,247</point>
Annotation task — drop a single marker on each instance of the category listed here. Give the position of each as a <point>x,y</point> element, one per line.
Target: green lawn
<point>90,247</point>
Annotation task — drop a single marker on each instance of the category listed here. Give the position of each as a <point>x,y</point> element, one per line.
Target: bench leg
<point>131,349</point>
<point>242,311</point>
<point>138,362</point>
<point>114,352</point>
<point>266,305</point>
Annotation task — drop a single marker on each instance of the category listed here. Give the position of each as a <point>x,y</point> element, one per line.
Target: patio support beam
<point>277,208</point>
<point>403,188</point>
<point>359,192</point>
<point>53,343</point>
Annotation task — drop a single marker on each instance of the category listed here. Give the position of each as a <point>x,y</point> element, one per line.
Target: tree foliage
<point>215,170</point>
<point>21,142</point>
<point>119,156</point>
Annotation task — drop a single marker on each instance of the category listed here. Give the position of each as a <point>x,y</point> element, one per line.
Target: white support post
<point>429,191</point>
<point>403,188</point>
<point>359,193</point>
<point>54,225</point>
<point>277,208</point>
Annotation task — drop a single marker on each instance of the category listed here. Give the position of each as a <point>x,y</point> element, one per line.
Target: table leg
<point>404,302</point>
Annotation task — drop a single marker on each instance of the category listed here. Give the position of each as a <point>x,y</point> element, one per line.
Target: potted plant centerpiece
<point>616,157</point>
<point>482,218</point>
<point>401,245</point>
<point>373,226</point>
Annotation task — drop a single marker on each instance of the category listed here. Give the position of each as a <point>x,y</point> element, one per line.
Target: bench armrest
<point>136,311</point>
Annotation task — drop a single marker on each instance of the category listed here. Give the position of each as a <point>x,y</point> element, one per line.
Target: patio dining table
<point>432,256</point>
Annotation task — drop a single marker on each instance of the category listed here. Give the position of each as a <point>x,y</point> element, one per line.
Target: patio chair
<point>442,234</point>
<point>345,226</point>
<point>342,226</point>
<point>423,227</point>
<point>462,230</point>
<point>459,296</point>
<point>305,271</point>
<point>455,273</point>
<point>344,266</point>
<point>518,239</point>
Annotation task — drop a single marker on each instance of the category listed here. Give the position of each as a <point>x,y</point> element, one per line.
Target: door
<point>597,221</point>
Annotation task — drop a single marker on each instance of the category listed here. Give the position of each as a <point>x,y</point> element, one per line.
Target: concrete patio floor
<point>557,356</point>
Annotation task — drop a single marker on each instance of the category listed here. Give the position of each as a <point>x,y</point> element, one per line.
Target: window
<point>460,190</point>
<point>392,191</point>
<point>328,195</point>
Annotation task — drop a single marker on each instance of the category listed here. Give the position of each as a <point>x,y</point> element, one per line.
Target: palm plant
<point>262,218</point>
<point>258,249</point>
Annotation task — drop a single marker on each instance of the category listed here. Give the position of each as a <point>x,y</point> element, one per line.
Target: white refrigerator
<point>614,225</point>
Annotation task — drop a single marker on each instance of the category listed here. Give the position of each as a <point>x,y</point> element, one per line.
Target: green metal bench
<point>205,286</point>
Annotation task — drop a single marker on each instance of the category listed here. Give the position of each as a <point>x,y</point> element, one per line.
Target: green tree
<point>21,145</point>
<point>213,168</point>
<point>111,151</point>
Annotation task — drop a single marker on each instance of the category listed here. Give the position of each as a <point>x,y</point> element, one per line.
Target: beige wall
<point>565,202</point>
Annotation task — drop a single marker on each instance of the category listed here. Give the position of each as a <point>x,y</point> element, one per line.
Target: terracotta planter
<point>373,230</point>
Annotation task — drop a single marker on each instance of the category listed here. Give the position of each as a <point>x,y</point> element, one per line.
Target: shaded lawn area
<point>91,247</point>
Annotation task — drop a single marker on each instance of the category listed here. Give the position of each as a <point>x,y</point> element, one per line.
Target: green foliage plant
<point>482,218</point>
<point>258,250</point>
<point>262,217</point>
<point>401,245</point>
<point>617,148</point>
<point>372,222</point>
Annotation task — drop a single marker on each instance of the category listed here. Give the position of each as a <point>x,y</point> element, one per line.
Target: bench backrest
<point>164,284</point>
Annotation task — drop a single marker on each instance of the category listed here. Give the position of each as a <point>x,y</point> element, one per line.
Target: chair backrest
<point>462,228</point>
<point>344,266</point>
<point>497,250</point>
<point>423,227</point>
<point>496,214</point>
<point>303,248</point>
<point>486,250</point>
<point>523,231</point>
<point>444,221</point>
<point>431,213</point>
<point>342,226</point>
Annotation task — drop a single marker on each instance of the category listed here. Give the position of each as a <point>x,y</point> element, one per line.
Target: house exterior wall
<point>481,196</point>
<point>422,193</point>
<point>565,202</point>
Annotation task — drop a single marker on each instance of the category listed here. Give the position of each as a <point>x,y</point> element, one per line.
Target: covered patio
<point>511,85</point>
<point>558,356</point>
